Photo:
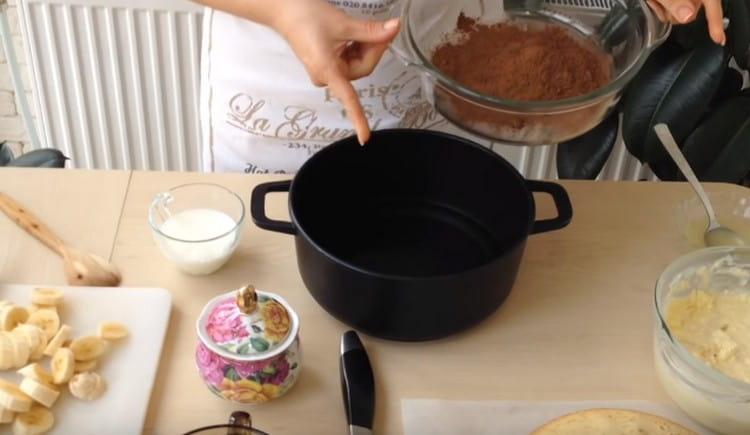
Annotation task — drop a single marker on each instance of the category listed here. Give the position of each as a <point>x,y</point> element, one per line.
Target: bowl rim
<point>563,105</point>
<point>160,196</point>
<point>303,232</point>
<point>738,391</point>
<point>691,199</point>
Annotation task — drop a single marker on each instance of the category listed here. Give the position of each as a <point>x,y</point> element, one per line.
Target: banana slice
<point>86,366</point>
<point>3,303</point>
<point>46,296</point>
<point>36,338</point>
<point>47,320</point>
<point>87,386</point>
<point>21,349</point>
<point>43,394</point>
<point>37,372</point>
<point>34,308</point>
<point>6,415</point>
<point>112,331</point>
<point>12,316</point>
<point>63,364</point>
<point>12,398</point>
<point>88,348</point>
<point>58,340</point>
<point>34,422</point>
<point>7,352</point>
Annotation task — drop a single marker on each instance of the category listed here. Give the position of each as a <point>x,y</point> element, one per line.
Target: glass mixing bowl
<point>707,395</point>
<point>197,226</point>
<point>625,29</point>
<point>732,210</point>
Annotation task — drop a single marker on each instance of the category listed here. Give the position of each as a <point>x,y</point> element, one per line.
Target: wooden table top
<point>577,326</point>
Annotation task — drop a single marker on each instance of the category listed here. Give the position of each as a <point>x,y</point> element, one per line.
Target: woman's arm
<point>334,47</point>
<point>260,11</point>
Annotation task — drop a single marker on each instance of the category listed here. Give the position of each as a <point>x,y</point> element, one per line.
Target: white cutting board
<point>128,368</point>
<point>501,417</point>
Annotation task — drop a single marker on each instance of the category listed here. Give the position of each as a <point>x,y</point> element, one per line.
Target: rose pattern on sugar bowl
<point>248,350</point>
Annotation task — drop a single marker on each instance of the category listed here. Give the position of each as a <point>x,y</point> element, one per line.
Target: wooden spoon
<point>81,269</point>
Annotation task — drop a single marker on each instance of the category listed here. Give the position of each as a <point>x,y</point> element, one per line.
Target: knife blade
<point>357,385</point>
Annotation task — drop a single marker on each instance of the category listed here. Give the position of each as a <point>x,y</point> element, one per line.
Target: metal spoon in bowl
<point>715,235</point>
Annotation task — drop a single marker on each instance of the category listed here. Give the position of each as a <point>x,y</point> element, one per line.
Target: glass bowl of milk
<point>197,226</point>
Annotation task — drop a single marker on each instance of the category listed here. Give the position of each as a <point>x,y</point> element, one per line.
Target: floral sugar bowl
<point>248,350</point>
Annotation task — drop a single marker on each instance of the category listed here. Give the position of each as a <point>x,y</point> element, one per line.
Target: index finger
<point>715,18</point>
<point>342,89</point>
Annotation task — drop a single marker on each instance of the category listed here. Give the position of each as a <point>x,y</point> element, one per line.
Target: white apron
<point>261,113</point>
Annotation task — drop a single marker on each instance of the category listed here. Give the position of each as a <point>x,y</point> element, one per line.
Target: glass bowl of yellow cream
<point>702,337</point>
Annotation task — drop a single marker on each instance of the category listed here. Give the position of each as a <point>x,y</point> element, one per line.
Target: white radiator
<point>116,86</point>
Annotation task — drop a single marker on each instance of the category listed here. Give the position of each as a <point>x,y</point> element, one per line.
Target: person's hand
<point>335,49</point>
<point>685,11</point>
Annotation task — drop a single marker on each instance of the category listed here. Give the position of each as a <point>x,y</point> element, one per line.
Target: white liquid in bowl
<point>195,255</point>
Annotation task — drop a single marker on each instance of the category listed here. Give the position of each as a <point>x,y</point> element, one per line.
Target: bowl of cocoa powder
<point>527,72</point>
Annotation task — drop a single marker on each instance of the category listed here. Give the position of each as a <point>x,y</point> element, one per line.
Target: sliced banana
<point>36,338</point>
<point>12,398</point>
<point>36,371</point>
<point>46,296</point>
<point>31,334</point>
<point>12,316</point>
<point>6,415</point>
<point>36,421</point>
<point>43,394</point>
<point>21,349</point>
<point>7,352</point>
<point>88,348</point>
<point>112,331</point>
<point>87,386</point>
<point>58,340</point>
<point>63,364</point>
<point>34,308</point>
<point>27,334</point>
<point>86,366</point>
<point>47,320</point>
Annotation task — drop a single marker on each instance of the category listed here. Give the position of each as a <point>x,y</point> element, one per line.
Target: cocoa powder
<point>522,63</point>
<point>508,61</point>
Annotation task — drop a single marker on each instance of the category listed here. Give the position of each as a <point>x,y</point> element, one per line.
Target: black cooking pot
<point>415,236</point>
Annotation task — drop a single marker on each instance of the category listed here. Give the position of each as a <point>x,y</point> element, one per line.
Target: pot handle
<point>562,203</point>
<point>258,207</point>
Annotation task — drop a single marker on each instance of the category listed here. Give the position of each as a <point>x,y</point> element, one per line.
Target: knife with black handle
<point>357,385</point>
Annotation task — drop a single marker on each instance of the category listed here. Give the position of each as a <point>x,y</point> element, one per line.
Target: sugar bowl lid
<point>248,324</point>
